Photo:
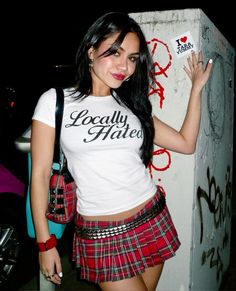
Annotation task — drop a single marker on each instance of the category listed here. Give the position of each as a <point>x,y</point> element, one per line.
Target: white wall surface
<point>171,36</point>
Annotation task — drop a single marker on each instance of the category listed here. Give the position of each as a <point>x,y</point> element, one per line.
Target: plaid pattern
<point>62,199</point>
<point>129,254</point>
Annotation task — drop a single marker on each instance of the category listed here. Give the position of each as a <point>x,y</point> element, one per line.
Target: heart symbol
<point>183,39</point>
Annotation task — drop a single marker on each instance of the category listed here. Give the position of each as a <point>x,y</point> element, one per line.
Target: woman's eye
<point>116,54</point>
<point>133,59</point>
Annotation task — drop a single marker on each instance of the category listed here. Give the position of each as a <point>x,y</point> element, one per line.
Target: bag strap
<point>58,121</point>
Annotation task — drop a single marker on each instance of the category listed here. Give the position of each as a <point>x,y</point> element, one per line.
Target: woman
<point>124,232</point>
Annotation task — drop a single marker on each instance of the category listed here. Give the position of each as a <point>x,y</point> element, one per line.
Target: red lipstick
<point>119,77</point>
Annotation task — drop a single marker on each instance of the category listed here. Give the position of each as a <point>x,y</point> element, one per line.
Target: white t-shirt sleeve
<point>45,108</point>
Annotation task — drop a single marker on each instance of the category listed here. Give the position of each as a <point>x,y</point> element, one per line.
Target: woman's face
<point>111,71</point>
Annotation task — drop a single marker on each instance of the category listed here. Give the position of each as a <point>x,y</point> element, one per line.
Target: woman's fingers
<point>208,69</point>
<point>188,72</point>
<point>194,58</point>
<point>53,277</point>
<point>190,63</point>
<point>195,69</point>
<point>199,59</point>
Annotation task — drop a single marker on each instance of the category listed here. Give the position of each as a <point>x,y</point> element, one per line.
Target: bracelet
<point>49,244</point>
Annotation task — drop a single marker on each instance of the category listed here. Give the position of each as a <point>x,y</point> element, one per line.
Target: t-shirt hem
<point>43,121</point>
<point>137,203</point>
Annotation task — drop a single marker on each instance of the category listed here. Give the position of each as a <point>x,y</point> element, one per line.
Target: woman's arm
<point>184,140</point>
<point>42,146</point>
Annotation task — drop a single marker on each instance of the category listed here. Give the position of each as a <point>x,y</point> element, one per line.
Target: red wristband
<point>49,244</point>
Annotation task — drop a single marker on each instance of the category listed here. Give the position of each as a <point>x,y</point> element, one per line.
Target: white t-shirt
<point>101,141</point>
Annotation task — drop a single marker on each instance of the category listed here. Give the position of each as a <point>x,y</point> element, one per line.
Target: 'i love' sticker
<point>183,44</point>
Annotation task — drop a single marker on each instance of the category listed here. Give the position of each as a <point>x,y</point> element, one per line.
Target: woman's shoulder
<point>48,96</point>
<point>45,107</point>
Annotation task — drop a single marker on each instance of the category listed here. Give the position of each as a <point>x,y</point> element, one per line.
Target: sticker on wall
<point>183,44</point>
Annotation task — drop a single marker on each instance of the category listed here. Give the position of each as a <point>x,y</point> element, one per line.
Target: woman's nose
<point>123,64</point>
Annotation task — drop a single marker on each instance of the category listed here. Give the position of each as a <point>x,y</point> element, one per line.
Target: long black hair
<point>132,93</point>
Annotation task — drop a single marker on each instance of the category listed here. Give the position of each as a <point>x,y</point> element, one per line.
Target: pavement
<point>70,281</point>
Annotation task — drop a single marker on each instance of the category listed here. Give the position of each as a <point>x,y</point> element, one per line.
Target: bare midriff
<point>117,216</point>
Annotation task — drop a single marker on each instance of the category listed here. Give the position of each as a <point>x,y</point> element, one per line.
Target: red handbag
<point>62,197</point>
<point>62,188</point>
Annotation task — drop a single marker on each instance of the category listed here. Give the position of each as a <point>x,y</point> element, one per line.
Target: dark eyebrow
<point>114,49</point>
<point>137,53</point>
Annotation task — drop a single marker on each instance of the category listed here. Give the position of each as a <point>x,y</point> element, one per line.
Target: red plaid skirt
<point>126,255</point>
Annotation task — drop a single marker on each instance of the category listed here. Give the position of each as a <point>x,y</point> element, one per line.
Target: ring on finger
<point>200,62</point>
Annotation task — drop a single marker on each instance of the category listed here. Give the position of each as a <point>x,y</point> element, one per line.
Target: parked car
<point>18,255</point>
<point>16,249</point>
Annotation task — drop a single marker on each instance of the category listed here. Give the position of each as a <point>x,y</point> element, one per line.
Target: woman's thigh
<point>151,276</point>
<point>131,284</point>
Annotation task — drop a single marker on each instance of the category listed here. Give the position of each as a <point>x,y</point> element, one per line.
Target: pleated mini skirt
<point>116,250</point>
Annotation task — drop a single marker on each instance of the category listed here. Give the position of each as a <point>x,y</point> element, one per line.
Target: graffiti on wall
<point>161,157</point>
<point>218,202</point>
<point>160,67</point>
<point>216,110</point>
<point>215,201</point>
<point>216,99</point>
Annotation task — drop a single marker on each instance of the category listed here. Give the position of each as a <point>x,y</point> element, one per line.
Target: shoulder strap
<point>58,122</point>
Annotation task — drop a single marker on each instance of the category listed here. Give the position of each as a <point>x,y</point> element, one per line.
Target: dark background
<point>38,34</point>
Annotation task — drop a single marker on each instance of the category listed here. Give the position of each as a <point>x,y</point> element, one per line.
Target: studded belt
<point>97,233</point>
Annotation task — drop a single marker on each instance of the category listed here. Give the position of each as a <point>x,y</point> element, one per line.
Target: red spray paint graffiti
<point>156,87</point>
<point>156,153</point>
<point>158,69</point>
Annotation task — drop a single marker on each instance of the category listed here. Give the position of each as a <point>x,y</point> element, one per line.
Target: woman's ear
<point>90,53</point>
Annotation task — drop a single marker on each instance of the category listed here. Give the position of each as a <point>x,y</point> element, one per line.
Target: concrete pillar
<point>198,186</point>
